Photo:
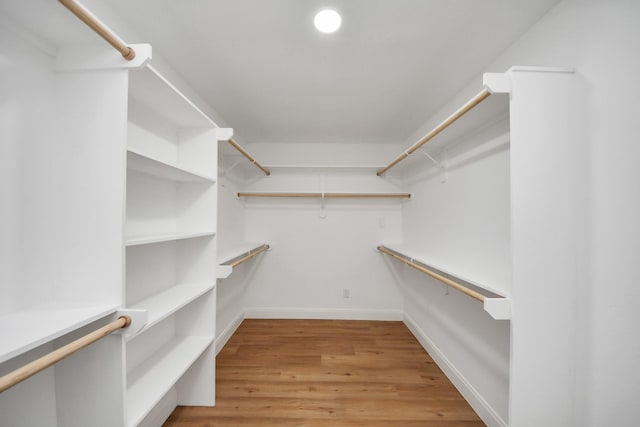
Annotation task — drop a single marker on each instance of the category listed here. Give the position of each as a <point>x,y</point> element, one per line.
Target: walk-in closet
<point>319,213</point>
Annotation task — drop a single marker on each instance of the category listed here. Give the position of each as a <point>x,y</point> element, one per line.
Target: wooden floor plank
<point>316,373</point>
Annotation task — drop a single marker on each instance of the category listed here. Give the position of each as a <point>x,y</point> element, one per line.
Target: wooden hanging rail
<point>331,195</point>
<point>248,256</point>
<point>102,30</point>
<point>433,274</point>
<point>55,356</point>
<point>244,152</point>
<point>484,94</point>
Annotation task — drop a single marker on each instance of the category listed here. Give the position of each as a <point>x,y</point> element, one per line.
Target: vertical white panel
<point>17,403</point>
<point>548,179</point>
<point>90,385</point>
<point>85,186</point>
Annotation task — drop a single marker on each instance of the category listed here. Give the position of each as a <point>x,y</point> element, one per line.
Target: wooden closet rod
<point>250,255</point>
<point>248,156</point>
<point>435,131</point>
<point>433,274</point>
<point>55,356</point>
<point>102,30</point>
<point>332,195</point>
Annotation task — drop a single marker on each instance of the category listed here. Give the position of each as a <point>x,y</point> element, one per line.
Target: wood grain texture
<point>328,373</point>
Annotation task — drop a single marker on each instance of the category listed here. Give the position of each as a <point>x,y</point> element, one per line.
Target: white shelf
<point>165,237</point>
<point>237,251</point>
<point>171,300</point>
<point>412,254</point>
<point>146,164</point>
<point>27,329</point>
<point>148,383</point>
<point>148,87</point>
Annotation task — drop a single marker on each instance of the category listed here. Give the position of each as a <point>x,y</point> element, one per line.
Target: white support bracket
<point>497,82</point>
<point>323,214</point>
<point>224,271</point>
<point>498,308</point>
<point>138,321</point>
<point>442,166</point>
<point>229,169</point>
<point>224,134</point>
<point>79,58</point>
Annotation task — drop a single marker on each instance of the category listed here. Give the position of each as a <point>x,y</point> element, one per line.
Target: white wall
<point>24,83</point>
<point>601,40</point>
<point>231,233</point>
<point>462,226</point>
<point>317,252</point>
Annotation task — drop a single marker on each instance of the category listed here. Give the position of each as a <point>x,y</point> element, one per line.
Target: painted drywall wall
<point>599,39</point>
<point>320,249</point>
<point>459,222</point>
<point>231,231</point>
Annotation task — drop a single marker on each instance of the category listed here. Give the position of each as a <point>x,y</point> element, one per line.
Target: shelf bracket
<point>224,134</point>
<point>442,166</point>
<point>229,169</point>
<point>138,321</point>
<point>323,214</point>
<point>498,308</point>
<point>497,82</point>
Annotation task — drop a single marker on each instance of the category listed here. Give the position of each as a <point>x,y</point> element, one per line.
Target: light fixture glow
<point>327,21</point>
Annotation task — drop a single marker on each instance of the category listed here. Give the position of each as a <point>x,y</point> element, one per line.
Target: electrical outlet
<point>346,293</point>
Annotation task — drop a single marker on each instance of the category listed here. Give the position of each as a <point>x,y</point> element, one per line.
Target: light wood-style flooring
<point>328,373</point>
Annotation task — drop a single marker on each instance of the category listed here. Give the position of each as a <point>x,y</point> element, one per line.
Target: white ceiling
<point>262,66</point>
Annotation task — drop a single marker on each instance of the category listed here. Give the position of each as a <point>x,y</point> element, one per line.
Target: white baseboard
<point>471,395</point>
<point>228,331</point>
<point>321,313</point>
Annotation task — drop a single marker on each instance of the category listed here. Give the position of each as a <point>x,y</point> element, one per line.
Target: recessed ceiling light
<point>327,21</point>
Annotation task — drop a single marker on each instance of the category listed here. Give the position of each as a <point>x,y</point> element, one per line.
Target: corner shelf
<point>148,165</point>
<point>148,383</point>
<point>27,329</point>
<point>165,237</point>
<point>164,304</point>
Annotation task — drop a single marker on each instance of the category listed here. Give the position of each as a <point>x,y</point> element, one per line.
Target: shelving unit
<point>63,220</point>
<point>515,235</point>
<point>126,220</point>
<point>170,245</point>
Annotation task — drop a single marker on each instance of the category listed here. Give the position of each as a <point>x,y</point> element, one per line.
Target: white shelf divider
<point>146,164</point>
<point>164,304</point>
<point>165,237</point>
<point>27,329</point>
<point>148,383</point>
